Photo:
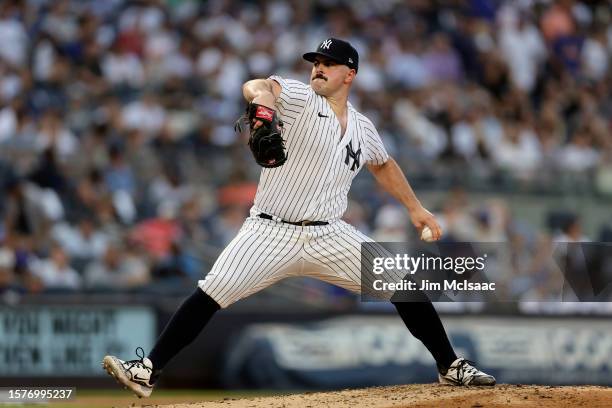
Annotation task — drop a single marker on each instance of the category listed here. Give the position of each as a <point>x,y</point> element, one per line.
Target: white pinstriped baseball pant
<point>266,251</point>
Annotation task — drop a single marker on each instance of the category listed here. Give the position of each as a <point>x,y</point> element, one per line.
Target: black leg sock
<point>184,326</point>
<point>424,323</point>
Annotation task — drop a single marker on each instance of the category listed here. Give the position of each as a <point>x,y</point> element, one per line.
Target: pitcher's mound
<point>430,395</point>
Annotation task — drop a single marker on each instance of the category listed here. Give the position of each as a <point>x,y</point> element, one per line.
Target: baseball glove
<point>266,141</point>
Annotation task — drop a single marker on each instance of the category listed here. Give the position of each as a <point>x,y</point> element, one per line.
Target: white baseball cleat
<point>137,375</point>
<point>461,372</point>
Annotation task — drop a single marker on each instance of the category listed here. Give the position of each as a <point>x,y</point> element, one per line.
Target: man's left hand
<point>421,217</point>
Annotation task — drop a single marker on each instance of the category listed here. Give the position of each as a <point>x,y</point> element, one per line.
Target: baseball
<point>427,235</point>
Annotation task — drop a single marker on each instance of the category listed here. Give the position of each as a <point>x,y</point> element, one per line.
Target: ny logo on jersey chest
<point>351,154</point>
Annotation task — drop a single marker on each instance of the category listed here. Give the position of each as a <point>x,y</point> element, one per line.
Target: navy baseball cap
<point>338,50</point>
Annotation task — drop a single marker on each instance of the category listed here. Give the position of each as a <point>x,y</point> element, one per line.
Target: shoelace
<point>138,363</point>
<point>466,367</point>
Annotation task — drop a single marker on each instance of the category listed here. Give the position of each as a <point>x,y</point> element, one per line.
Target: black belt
<point>300,223</point>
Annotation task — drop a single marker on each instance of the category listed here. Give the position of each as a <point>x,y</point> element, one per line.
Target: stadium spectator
<point>55,271</point>
<point>157,235</point>
<point>117,269</point>
<point>523,49</point>
<point>391,224</point>
<point>7,267</point>
<point>146,115</point>
<point>15,36</point>
<point>83,240</point>
<point>18,146</point>
<point>580,154</point>
<point>518,151</point>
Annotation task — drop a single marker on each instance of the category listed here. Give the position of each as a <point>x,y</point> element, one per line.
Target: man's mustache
<point>321,76</point>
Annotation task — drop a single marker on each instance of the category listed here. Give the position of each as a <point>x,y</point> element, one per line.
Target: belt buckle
<point>304,223</point>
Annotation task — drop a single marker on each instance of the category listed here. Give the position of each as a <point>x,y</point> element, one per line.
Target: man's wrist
<point>265,99</point>
<point>413,205</point>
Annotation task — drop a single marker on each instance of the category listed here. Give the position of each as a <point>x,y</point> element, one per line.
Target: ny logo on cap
<point>326,44</point>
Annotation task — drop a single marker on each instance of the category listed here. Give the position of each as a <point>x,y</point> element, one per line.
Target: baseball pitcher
<point>311,143</point>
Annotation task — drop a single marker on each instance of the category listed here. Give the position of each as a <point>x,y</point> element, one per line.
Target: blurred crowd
<point>120,167</point>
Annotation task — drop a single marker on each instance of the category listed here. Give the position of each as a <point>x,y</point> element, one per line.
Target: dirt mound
<point>429,395</point>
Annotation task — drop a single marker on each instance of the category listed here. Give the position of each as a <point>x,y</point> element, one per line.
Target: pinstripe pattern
<point>313,185</point>
<point>314,182</point>
<point>266,251</point>
<point>339,254</point>
<point>261,254</point>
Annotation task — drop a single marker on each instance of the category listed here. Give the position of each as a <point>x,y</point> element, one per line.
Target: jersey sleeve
<point>292,100</point>
<point>375,149</point>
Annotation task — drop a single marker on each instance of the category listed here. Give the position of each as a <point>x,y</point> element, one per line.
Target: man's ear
<point>350,76</point>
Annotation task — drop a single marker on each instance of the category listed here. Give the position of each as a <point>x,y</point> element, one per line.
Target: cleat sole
<point>122,380</point>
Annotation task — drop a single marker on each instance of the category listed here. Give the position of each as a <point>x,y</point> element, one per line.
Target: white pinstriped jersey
<point>312,185</point>
<point>314,182</point>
